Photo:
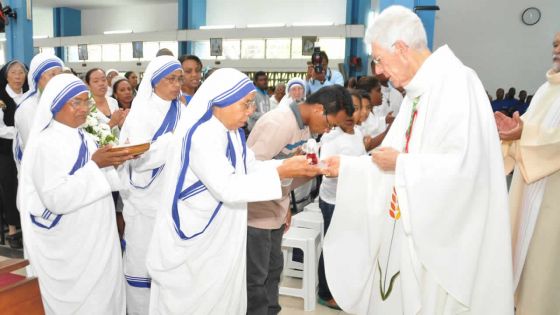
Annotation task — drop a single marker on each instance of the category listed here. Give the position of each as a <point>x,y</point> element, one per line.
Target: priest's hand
<point>331,166</point>
<point>104,157</point>
<point>297,166</point>
<point>385,158</point>
<point>509,128</point>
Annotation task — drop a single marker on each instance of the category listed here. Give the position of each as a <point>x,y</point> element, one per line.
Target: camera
<point>317,60</point>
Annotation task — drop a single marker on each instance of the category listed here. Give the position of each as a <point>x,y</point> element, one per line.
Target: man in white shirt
<point>279,92</point>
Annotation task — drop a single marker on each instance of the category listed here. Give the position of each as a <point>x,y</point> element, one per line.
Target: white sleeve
<point>210,164</point>
<point>62,193</point>
<point>6,132</point>
<point>155,156</point>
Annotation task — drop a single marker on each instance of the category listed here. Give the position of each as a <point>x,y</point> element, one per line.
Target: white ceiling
<point>92,4</point>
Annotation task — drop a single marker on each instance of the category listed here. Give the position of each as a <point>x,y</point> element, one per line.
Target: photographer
<point>319,74</point>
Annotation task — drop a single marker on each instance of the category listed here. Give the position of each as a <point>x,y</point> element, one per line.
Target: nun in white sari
<point>152,118</point>
<point>68,216</point>
<point>295,92</point>
<point>197,256</point>
<point>42,68</point>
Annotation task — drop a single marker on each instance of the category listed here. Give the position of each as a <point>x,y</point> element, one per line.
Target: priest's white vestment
<point>432,237</point>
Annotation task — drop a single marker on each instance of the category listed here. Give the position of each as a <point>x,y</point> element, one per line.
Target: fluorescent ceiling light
<point>312,24</point>
<point>2,39</point>
<point>266,25</point>
<point>117,32</point>
<point>215,27</point>
<point>40,36</point>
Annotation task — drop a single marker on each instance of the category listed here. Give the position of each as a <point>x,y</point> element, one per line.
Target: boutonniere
<point>2,105</point>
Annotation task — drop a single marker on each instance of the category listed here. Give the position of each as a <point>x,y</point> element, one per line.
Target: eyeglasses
<point>76,102</point>
<point>174,79</point>
<point>249,105</point>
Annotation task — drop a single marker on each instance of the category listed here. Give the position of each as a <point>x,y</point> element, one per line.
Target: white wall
<point>42,19</point>
<point>489,37</point>
<point>243,12</point>
<point>138,18</point>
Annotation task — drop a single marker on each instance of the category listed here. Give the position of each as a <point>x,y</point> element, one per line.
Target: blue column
<point>19,33</point>
<point>191,15</point>
<point>356,13</point>
<point>66,22</point>
<point>427,17</point>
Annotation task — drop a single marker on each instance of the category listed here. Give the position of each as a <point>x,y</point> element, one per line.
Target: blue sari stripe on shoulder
<point>228,97</point>
<point>169,123</point>
<point>43,221</point>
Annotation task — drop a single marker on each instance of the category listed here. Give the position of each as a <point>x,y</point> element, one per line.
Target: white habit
<point>68,218</point>
<point>151,119</point>
<point>197,257</point>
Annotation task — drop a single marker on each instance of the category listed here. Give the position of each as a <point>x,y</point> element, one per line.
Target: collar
<point>13,94</point>
<point>553,78</point>
<point>295,109</point>
<point>263,92</point>
<point>161,104</point>
<point>428,70</point>
<point>62,127</point>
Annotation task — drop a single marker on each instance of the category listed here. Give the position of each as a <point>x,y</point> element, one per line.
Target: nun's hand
<point>297,166</point>
<point>105,157</point>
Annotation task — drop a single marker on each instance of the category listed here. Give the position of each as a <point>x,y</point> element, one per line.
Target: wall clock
<point>531,16</point>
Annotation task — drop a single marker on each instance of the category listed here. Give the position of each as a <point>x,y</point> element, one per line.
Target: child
<point>345,139</point>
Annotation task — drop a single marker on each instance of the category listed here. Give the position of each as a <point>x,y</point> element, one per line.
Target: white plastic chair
<point>309,242</point>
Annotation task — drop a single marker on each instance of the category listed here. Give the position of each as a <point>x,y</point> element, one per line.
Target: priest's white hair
<point>397,23</point>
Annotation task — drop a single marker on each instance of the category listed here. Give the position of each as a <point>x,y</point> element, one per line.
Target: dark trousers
<point>264,267</point>
<point>8,189</point>
<point>327,210</point>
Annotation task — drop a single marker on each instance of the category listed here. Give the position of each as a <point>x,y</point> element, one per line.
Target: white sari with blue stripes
<point>197,256</point>
<point>69,225</point>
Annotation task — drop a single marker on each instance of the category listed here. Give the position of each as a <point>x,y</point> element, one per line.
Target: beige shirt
<point>277,135</point>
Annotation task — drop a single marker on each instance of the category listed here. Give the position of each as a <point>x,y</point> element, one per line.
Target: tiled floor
<point>294,306</point>
<point>290,305</point>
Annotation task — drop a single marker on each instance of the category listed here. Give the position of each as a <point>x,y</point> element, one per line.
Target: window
<point>278,48</point>
<point>72,54</point>
<point>111,52</point>
<point>126,52</point>
<point>94,52</point>
<point>202,49</point>
<point>150,50</point>
<point>232,49</point>
<point>252,49</point>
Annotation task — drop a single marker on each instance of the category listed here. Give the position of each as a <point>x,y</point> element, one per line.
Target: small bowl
<point>133,149</point>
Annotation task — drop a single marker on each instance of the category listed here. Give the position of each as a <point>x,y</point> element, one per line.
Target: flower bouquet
<point>101,132</point>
